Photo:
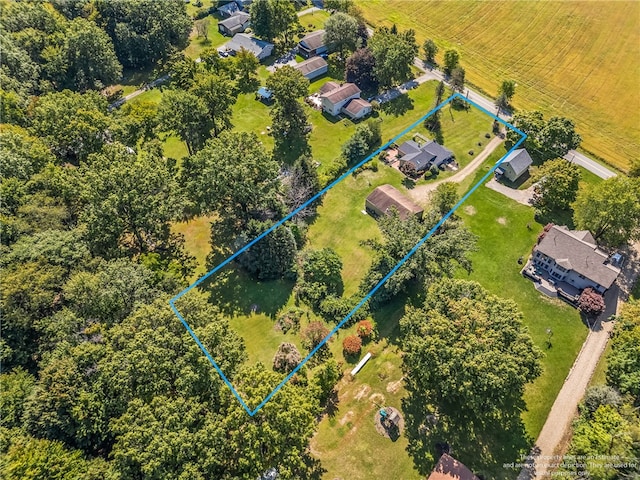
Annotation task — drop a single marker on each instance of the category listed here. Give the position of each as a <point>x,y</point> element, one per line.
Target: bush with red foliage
<point>364,328</point>
<point>591,303</point>
<point>352,345</point>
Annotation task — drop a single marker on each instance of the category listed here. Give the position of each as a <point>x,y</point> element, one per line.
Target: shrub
<point>314,334</point>
<point>471,152</point>
<point>352,345</point>
<point>591,303</point>
<point>290,320</point>
<point>365,329</point>
<point>286,358</point>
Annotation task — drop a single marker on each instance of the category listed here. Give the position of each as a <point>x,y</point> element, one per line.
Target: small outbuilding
<point>264,94</point>
<point>312,67</point>
<point>236,23</point>
<point>515,165</point>
<point>312,44</point>
<point>385,198</point>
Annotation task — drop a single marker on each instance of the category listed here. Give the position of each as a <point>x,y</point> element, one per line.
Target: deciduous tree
<point>187,115</point>
<point>610,210</point>
<point>360,68</point>
<point>451,60</point>
<point>556,186</point>
<point>453,344</point>
<point>320,276</point>
<point>430,50</point>
<point>394,55</point>
<point>341,34</point>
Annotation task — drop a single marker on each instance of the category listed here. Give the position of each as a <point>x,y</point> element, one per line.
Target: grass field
<point>564,56</point>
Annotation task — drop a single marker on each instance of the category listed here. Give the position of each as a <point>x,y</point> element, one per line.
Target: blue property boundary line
<point>251,412</point>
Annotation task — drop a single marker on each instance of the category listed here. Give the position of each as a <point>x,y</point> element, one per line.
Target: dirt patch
<point>501,220</point>
<point>347,417</point>
<point>363,392</point>
<point>386,428</point>
<point>393,387</point>
<point>377,398</point>
<point>470,210</point>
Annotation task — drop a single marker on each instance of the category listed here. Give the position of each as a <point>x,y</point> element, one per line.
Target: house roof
<point>252,44</point>
<point>264,92</point>
<point>386,196</point>
<point>519,160</point>
<point>355,105</point>
<point>327,87</point>
<point>311,65</point>
<point>448,468</point>
<point>574,250</point>
<point>339,94</point>
<point>421,156</point>
<point>235,20</point>
<point>229,8</point>
<point>313,40</point>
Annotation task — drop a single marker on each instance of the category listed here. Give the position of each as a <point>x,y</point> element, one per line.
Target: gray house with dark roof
<point>312,44</point>
<point>515,165</point>
<point>423,157</point>
<point>573,257</point>
<point>236,23</point>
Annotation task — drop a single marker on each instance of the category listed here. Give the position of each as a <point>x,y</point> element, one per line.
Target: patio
<point>548,285</point>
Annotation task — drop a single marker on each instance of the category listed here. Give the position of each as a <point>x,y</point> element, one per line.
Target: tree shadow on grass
<point>482,447</point>
<point>398,106</point>
<point>237,293</point>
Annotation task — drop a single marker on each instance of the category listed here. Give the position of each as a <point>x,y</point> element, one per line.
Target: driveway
<point>575,385</point>
<point>520,196</point>
<point>420,193</point>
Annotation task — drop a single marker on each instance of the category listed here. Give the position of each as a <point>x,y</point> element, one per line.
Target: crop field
<point>576,59</point>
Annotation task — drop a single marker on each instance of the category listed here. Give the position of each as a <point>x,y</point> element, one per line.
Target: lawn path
<point>420,193</point>
<point>550,441</point>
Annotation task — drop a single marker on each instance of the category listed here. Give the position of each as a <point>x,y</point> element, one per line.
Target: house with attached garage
<point>572,260</point>
<point>236,23</point>
<point>259,48</point>
<point>515,165</point>
<point>335,99</point>
<point>312,44</point>
<point>423,157</point>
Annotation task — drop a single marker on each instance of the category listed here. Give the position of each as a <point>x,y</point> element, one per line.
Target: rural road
<point>420,193</point>
<point>488,104</point>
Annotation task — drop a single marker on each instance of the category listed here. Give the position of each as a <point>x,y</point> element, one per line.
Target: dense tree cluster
<point>556,187</point>
<point>610,210</point>
<point>394,53</point>
<point>608,424</point>
<point>547,139</point>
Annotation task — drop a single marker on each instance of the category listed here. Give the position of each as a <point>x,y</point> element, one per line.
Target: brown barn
<point>385,197</point>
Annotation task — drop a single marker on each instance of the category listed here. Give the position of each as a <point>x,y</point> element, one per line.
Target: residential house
<point>357,108</point>
<point>244,4</point>
<point>312,44</point>
<point>334,99</point>
<point>385,198</point>
<point>573,257</point>
<point>312,67</point>
<point>515,165</point>
<point>236,23</point>
<point>259,48</point>
<point>423,157</point>
<point>228,9</point>
<point>327,87</point>
<point>448,468</point>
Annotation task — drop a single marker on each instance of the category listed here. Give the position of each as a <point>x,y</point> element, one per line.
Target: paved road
<point>488,104</point>
<point>594,167</point>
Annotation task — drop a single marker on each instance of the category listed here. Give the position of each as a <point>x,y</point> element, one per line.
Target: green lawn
<point>313,21</point>
<point>214,38</point>
<point>501,226</point>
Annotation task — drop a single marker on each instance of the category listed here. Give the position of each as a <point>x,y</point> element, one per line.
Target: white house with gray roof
<point>573,257</point>
<point>515,165</point>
